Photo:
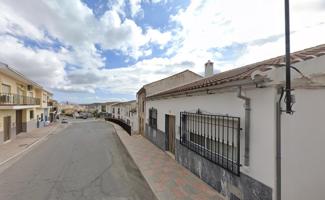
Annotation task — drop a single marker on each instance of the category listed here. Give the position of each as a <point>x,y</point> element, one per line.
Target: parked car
<point>82,117</point>
<point>64,121</point>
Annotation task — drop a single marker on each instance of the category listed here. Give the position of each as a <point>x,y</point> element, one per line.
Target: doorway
<point>170,133</point>
<point>6,128</point>
<point>141,126</point>
<point>19,121</point>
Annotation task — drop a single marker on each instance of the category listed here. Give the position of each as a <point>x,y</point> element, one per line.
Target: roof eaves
<point>244,72</point>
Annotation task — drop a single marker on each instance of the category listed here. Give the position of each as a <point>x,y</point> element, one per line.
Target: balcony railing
<point>15,99</point>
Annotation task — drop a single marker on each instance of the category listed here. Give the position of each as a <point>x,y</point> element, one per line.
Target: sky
<point>88,51</point>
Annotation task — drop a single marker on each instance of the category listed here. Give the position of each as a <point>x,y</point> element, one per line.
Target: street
<point>84,161</point>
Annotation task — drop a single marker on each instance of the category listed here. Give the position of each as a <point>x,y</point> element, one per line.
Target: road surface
<point>84,161</point>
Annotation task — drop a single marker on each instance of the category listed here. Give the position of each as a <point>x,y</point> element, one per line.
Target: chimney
<point>208,69</point>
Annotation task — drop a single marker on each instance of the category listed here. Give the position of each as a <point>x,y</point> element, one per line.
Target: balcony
<point>15,99</point>
<point>50,104</point>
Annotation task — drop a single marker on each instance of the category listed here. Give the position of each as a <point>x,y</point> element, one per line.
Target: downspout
<point>278,145</point>
<point>247,106</point>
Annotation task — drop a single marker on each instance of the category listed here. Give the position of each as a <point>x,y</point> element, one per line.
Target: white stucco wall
<point>303,140</point>
<point>314,69</point>
<point>125,114</point>
<point>262,154</point>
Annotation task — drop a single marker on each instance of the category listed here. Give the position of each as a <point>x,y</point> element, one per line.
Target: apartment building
<point>23,104</point>
<point>229,129</point>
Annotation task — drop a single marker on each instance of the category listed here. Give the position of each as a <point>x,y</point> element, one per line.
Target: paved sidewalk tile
<point>24,140</point>
<point>168,179</point>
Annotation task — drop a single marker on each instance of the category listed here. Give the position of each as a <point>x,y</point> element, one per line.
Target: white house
<point>127,113</point>
<point>229,128</point>
<point>109,108</point>
<point>175,80</point>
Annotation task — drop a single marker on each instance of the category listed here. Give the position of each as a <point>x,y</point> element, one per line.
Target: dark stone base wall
<point>233,187</point>
<point>24,125</point>
<point>1,137</point>
<point>29,126</point>
<point>12,135</point>
<point>41,124</point>
<point>157,137</point>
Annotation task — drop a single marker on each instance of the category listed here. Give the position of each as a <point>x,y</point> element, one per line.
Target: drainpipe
<point>247,106</point>
<point>278,145</point>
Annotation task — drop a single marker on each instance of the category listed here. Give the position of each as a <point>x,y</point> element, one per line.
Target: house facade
<point>54,110</point>
<point>126,112</point>
<point>23,104</point>
<point>178,79</point>
<point>229,129</point>
<point>109,108</point>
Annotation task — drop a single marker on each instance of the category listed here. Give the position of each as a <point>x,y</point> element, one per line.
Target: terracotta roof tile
<point>246,71</point>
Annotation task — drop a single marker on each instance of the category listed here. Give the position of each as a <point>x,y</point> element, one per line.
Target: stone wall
<point>157,137</point>
<point>233,187</point>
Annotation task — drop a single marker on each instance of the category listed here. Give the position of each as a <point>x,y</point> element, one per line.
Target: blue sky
<point>104,50</point>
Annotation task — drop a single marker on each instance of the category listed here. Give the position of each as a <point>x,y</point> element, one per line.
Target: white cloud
<point>12,23</point>
<point>206,25</point>
<point>43,66</point>
<point>155,36</point>
<point>135,7</point>
<point>74,25</point>
<point>255,53</point>
<point>157,1</point>
<point>202,29</point>
<point>117,6</point>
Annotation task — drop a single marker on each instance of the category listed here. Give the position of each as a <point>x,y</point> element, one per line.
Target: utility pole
<point>287,59</point>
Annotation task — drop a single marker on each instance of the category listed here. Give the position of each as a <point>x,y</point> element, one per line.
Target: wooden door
<point>6,127</point>
<point>19,121</point>
<point>141,126</point>
<point>171,133</point>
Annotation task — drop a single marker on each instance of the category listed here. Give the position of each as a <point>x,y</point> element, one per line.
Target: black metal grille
<point>215,137</point>
<point>153,118</point>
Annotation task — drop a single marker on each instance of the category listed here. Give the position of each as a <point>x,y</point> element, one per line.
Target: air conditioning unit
<point>29,87</point>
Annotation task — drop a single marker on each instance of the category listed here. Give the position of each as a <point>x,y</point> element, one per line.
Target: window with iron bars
<point>215,137</point>
<point>153,118</point>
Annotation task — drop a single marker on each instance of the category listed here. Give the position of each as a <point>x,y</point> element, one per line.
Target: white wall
<point>303,147</point>
<point>124,114</point>
<point>262,154</point>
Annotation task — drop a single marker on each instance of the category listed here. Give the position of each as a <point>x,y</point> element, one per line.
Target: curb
<point>127,150</point>
<point>29,146</point>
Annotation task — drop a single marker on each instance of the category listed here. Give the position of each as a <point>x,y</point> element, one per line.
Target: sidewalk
<point>23,141</point>
<point>167,179</point>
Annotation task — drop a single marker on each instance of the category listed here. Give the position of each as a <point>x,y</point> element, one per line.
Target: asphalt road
<point>85,161</point>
